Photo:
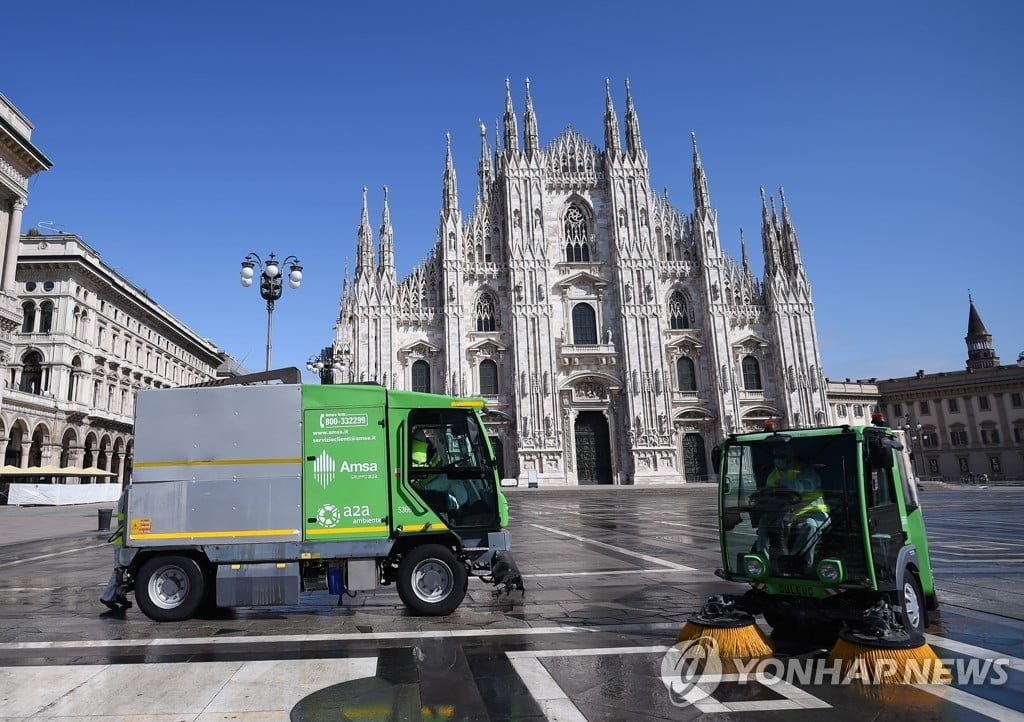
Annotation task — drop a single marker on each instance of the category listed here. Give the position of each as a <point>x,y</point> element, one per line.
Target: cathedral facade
<point>613,339</point>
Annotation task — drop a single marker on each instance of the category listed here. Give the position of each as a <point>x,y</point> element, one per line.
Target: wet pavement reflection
<point>611,577</point>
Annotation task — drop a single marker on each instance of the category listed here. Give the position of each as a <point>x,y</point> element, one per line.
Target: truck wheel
<point>170,589</point>
<point>431,580</point>
<point>912,602</point>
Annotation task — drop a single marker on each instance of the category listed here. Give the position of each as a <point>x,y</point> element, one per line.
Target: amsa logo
<point>332,421</point>
<point>354,467</point>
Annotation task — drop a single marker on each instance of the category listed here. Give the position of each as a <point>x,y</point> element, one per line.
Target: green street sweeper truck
<point>249,493</point>
<point>823,524</point>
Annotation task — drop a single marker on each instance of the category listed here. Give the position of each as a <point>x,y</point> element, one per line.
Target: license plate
<point>797,590</point>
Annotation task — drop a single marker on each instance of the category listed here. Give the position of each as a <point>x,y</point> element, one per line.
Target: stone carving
<point>591,390</point>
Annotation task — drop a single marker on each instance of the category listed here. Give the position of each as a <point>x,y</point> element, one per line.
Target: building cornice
<point>22,149</point>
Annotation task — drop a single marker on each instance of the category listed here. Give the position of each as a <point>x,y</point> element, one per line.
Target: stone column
<point>11,247</point>
<point>5,220</point>
<point>51,454</point>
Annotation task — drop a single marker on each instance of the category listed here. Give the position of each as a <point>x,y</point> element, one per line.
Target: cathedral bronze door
<point>695,460</point>
<point>593,449</point>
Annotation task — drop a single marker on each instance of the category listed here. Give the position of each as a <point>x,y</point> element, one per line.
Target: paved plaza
<point>611,576</point>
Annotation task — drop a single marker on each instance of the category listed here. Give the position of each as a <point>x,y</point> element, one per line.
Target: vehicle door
<point>885,528</point>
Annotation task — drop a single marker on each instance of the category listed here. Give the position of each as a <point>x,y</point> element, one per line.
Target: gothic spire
<point>450,200</point>
<point>387,240</point>
<point>769,239</point>
<point>511,126</point>
<point>633,146</point>
<point>981,352</point>
<point>484,168</point>
<point>788,236</point>
<point>531,141</point>
<point>497,142</point>
<point>365,263</point>
<point>743,253</point>
<point>701,196</point>
<point>611,122</point>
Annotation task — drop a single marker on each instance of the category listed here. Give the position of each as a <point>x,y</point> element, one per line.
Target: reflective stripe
<point>199,534</point>
<point>346,530</point>
<point>812,500</point>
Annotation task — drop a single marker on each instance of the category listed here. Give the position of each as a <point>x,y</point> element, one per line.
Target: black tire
<point>431,580</point>
<point>170,588</point>
<point>912,604</point>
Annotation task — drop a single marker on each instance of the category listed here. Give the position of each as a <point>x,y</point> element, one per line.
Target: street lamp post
<point>328,365</point>
<point>271,283</point>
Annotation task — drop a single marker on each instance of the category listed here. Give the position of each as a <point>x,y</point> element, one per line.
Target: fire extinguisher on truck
<point>247,492</point>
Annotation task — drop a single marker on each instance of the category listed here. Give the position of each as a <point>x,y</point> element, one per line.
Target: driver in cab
<point>425,455</point>
<point>423,452</point>
<point>806,509</point>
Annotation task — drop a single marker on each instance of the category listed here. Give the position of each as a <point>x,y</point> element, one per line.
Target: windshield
<point>792,500</point>
<point>451,467</point>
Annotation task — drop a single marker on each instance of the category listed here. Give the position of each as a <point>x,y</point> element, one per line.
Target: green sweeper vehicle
<point>249,492</point>
<point>826,528</point>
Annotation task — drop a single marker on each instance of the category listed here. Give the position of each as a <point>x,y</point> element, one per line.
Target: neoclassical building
<point>87,341</point>
<point>19,161</point>
<point>614,339</point>
<point>961,425</point>
<point>967,423</point>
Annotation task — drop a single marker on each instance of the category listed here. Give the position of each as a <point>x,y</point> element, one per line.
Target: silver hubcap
<point>168,588</point>
<point>911,605</point>
<point>432,580</point>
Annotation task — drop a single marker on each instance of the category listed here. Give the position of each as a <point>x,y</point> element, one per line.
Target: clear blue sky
<point>185,135</point>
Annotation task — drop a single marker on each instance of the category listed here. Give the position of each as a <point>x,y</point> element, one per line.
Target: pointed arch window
<point>686,374</point>
<point>751,374</point>
<point>28,321</point>
<point>421,376</point>
<point>678,311</point>
<point>584,324</point>
<point>32,373</point>
<point>486,318</point>
<point>577,240</point>
<point>488,378</point>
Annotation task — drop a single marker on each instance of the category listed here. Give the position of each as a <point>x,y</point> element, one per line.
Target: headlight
<point>755,566</point>
<point>831,571</point>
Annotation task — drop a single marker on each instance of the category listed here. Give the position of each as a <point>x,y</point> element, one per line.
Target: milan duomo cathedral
<point>613,339</point>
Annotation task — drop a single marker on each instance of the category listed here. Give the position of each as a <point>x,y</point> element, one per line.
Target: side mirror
<point>880,453</point>
<point>716,459</point>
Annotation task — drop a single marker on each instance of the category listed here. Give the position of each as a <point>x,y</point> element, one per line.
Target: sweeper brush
<point>734,631</point>
<point>880,651</point>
